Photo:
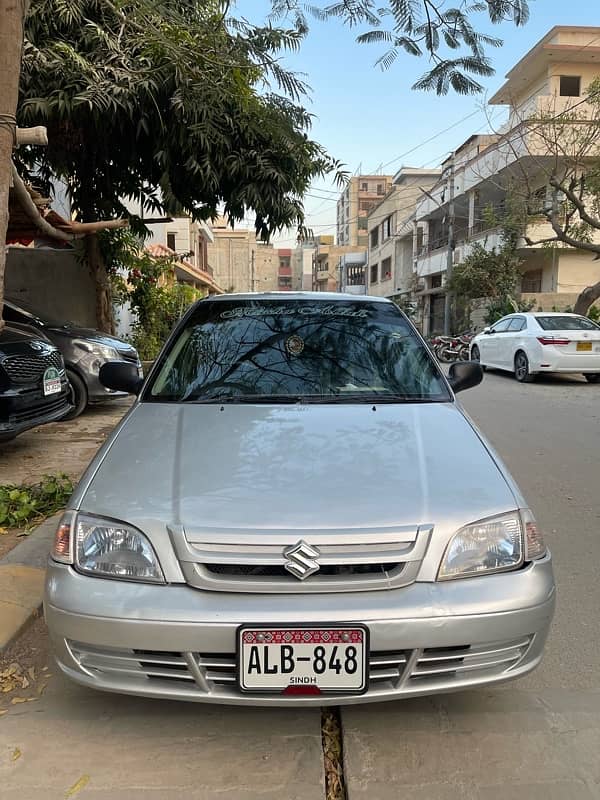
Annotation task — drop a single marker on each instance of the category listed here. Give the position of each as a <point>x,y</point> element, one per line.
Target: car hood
<point>295,467</point>
<point>76,332</point>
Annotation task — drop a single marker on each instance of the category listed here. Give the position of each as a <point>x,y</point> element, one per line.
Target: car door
<point>509,342</point>
<point>492,342</point>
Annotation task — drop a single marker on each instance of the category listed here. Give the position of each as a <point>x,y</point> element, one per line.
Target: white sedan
<point>529,344</point>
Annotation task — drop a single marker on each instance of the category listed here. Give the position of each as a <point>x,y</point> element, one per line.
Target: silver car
<point>296,510</point>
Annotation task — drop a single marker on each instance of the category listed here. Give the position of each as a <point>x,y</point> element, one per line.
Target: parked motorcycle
<point>452,348</point>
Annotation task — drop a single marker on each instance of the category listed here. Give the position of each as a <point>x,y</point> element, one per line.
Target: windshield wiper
<point>246,398</point>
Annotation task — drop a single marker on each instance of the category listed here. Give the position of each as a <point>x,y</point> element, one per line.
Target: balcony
<point>285,271</point>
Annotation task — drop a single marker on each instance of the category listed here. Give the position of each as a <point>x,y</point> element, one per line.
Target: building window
<point>386,269</point>
<point>386,230</point>
<point>380,188</point>
<point>365,205</point>
<point>362,223</point>
<point>364,187</point>
<point>373,273</point>
<point>570,85</point>
<point>171,241</point>
<point>436,281</point>
<point>532,281</point>
<point>375,237</point>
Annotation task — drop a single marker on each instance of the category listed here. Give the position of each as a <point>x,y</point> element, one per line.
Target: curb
<point>22,573</point>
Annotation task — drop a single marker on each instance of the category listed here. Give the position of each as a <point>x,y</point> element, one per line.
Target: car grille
<point>29,369</point>
<point>353,561</point>
<point>40,409</point>
<point>388,669</point>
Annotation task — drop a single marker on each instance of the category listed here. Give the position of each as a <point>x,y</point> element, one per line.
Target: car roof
<point>321,296</point>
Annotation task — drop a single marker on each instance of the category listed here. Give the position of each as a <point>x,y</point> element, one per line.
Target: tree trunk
<point>12,13</point>
<point>104,310</point>
<point>586,298</point>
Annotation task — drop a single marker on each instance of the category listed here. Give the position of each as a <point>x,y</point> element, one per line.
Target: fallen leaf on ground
<point>3,711</point>
<point>16,700</point>
<point>77,787</point>
<point>16,753</point>
<point>31,673</point>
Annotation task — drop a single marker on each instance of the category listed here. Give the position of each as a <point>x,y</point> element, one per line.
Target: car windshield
<point>566,323</point>
<point>297,351</point>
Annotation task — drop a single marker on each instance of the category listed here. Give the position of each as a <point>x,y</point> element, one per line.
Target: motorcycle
<point>452,348</point>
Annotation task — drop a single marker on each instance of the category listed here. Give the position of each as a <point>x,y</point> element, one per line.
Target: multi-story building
<point>302,265</point>
<point>240,262</point>
<point>187,242</point>
<point>326,257</point>
<point>478,180</point>
<point>361,193</point>
<point>284,272</point>
<point>390,225</point>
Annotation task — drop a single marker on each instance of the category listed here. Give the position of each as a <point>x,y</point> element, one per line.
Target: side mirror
<point>122,376</point>
<point>464,375</point>
<point>487,330</point>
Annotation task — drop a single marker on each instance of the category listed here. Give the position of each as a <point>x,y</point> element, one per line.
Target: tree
<point>11,41</point>
<point>422,27</point>
<point>491,274</point>
<point>176,103</point>
<point>557,186</point>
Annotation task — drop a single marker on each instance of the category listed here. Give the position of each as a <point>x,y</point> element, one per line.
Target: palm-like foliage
<point>172,101</point>
<point>423,27</point>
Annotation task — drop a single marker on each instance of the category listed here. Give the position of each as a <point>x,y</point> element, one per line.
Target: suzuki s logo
<point>301,560</point>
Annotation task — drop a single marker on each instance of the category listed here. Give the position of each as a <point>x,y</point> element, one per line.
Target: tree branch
<point>579,205</point>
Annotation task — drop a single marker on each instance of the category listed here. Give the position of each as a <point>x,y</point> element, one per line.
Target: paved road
<point>537,738</point>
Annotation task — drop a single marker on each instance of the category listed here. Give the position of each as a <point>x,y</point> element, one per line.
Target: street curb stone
<point>22,581</point>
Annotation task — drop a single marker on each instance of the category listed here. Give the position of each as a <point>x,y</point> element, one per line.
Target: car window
<point>566,323</point>
<point>502,326</point>
<point>280,350</point>
<point>516,324</point>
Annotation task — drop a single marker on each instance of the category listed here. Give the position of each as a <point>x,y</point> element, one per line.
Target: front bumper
<point>25,408</point>
<point>179,643</point>
<point>97,392</point>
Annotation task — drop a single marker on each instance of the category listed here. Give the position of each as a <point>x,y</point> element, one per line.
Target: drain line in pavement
<point>333,753</point>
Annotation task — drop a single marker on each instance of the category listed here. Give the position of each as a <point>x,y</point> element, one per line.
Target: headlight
<point>491,545</point>
<point>105,548</point>
<point>101,350</point>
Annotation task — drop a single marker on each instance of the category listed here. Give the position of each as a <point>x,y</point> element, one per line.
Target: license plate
<point>303,660</point>
<point>584,347</point>
<point>52,384</point>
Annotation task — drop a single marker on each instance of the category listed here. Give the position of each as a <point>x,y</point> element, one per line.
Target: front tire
<point>476,356</point>
<point>522,373</point>
<point>592,377</point>
<point>79,395</point>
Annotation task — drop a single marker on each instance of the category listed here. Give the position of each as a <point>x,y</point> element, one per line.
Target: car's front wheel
<point>476,356</point>
<point>522,373</point>
<point>79,395</point>
<point>592,377</point>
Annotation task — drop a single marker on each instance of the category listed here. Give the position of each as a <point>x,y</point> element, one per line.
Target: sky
<point>372,121</point>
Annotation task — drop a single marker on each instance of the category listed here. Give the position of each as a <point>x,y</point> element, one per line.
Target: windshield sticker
<point>294,345</point>
<point>319,310</point>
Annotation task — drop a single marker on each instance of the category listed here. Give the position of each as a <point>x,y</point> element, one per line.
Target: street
<point>538,737</point>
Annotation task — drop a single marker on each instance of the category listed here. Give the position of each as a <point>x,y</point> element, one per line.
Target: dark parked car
<point>84,350</point>
<point>33,384</point>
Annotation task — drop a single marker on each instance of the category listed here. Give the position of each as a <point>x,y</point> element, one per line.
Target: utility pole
<point>450,255</point>
<point>12,15</point>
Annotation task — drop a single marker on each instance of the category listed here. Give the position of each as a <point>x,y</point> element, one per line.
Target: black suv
<point>84,350</point>
<point>33,383</point>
